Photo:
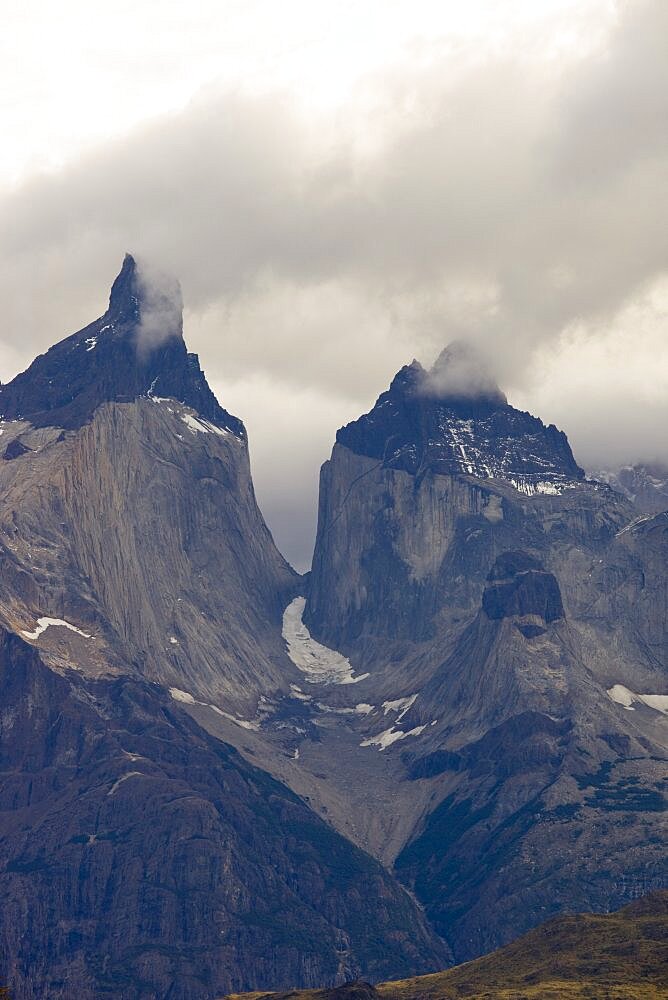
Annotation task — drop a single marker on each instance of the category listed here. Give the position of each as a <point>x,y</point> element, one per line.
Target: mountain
<point>411,443</point>
<point>426,422</point>
<point>141,856</point>
<point>136,349</point>
<point>127,511</point>
<point>620,956</point>
<point>217,774</point>
<point>511,617</point>
<point>645,485</point>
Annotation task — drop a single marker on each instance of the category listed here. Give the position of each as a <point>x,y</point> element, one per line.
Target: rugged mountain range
<point>139,857</point>
<point>514,606</point>
<point>143,858</point>
<point>645,485</point>
<point>219,775</point>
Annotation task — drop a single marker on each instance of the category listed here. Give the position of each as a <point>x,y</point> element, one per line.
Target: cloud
<point>608,383</point>
<point>511,200</point>
<point>160,307</point>
<point>460,372</point>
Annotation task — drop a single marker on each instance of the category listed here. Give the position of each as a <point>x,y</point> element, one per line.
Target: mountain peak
<point>135,349</point>
<point>459,377</point>
<point>146,303</point>
<point>453,419</point>
<point>408,380</point>
<point>460,373</point>
<point>124,288</point>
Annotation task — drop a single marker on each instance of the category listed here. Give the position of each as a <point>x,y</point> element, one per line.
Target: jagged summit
<point>135,349</point>
<point>125,293</point>
<point>644,484</point>
<point>147,304</point>
<point>454,419</point>
<point>461,376</point>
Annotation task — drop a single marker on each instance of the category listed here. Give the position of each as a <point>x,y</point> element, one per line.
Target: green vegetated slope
<point>618,956</point>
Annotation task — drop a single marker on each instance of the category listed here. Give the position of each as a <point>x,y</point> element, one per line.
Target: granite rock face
<point>127,510</point>
<point>514,610</point>
<point>142,858</point>
<point>577,955</point>
<point>219,775</point>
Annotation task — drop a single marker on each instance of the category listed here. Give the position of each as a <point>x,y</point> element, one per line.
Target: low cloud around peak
<point>160,306</point>
<point>461,372</point>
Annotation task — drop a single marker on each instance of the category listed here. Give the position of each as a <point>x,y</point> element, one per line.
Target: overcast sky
<point>343,186</point>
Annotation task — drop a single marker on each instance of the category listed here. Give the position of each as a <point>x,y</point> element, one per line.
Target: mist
<point>160,309</point>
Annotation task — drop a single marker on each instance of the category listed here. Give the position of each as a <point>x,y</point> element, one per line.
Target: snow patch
<point>361,709</point>
<point>390,736</point>
<point>299,694</point>
<point>187,699</point>
<point>194,423</point>
<point>320,664</point>
<point>634,524</point>
<point>544,486</point>
<point>244,723</point>
<point>548,488</point>
<point>656,701</point>
<point>124,777</point>
<point>401,705</point>
<point>198,425</point>
<point>183,696</point>
<point>623,696</point>
<point>44,623</point>
<point>476,449</point>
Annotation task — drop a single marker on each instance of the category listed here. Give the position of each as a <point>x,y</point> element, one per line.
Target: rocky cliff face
<point>203,753</point>
<point>425,422</point>
<point>127,511</point>
<point>141,858</point>
<point>422,493</point>
<point>552,795</point>
<point>139,584</point>
<point>575,956</point>
<point>513,612</point>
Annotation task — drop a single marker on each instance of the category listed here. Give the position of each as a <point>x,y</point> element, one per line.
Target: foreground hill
<point>618,956</point>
